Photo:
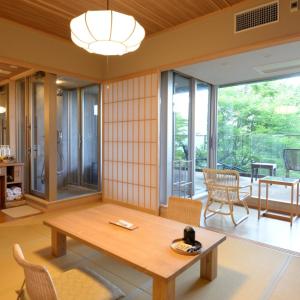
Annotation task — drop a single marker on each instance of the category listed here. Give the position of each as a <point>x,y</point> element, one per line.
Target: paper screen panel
<point>130,141</point>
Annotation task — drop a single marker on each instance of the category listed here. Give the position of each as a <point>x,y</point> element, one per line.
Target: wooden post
<point>50,137</point>
<point>209,265</point>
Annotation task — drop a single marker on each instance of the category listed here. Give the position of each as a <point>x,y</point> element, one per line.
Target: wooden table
<point>287,182</point>
<point>146,248</point>
<point>257,165</point>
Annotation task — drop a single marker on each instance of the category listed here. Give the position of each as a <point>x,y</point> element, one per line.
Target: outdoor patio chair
<point>291,159</point>
<point>223,189</point>
<point>73,284</point>
<point>184,210</point>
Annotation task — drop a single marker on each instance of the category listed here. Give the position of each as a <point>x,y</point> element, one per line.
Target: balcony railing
<point>239,151</point>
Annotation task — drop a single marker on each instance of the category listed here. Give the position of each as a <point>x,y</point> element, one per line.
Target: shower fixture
<point>59,92</point>
<point>60,157</point>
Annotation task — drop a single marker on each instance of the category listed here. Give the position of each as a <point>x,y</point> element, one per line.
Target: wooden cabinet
<point>2,171</point>
<point>11,179</point>
<point>18,174</point>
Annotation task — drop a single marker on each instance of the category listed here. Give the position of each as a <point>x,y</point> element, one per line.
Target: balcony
<point>237,152</point>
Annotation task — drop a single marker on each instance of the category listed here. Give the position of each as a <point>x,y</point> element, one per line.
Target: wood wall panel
<point>130,141</point>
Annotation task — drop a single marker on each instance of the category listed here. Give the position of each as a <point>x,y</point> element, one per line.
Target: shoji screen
<point>130,141</point>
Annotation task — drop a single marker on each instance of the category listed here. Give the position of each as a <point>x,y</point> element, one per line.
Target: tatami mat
<point>246,270</point>
<point>288,286</point>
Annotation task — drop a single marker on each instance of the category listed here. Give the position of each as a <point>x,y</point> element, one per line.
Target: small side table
<point>291,182</point>
<point>257,165</point>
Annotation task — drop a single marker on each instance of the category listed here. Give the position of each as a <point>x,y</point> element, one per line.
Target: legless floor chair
<point>223,189</point>
<point>184,210</point>
<point>75,284</point>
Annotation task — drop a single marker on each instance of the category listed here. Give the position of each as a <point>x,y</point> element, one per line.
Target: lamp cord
<point>107,4</point>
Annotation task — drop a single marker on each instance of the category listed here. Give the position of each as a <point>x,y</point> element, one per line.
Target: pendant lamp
<point>106,32</point>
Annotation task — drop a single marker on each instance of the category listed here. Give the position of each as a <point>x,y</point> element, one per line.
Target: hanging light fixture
<point>106,32</point>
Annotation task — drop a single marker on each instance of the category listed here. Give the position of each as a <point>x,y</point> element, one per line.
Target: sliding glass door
<point>182,184</point>
<point>202,104</point>
<point>190,106</point>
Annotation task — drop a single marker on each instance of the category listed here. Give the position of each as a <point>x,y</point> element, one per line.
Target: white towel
<point>10,198</point>
<point>17,190</point>
<point>13,193</point>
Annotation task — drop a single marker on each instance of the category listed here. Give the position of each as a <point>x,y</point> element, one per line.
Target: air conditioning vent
<point>256,17</point>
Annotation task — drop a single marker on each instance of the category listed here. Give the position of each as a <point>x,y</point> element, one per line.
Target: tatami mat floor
<point>246,270</point>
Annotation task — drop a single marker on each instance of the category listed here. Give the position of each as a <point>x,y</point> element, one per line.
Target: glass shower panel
<point>62,136</point>
<point>90,135</point>
<point>37,167</point>
<point>20,120</point>
<point>67,138</point>
<point>74,139</point>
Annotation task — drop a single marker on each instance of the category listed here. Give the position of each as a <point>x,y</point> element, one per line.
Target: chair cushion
<point>85,284</point>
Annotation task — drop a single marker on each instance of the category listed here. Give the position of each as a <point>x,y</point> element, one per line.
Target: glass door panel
<point>74,139</point>
<point>90,136</point>
<point>182,164</point>
<point>68,145</point>
<point>20,120</point>
<point>202,97</point>
<point>37,165</point>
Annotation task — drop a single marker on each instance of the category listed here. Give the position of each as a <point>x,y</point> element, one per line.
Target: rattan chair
<point>223,189</point>
<point>184,210</point>
<point>73,284</point>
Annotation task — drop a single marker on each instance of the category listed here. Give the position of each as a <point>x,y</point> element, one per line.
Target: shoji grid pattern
<point>130,141</point>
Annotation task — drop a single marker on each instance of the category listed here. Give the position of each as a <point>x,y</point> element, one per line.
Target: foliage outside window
<point>256,122</point>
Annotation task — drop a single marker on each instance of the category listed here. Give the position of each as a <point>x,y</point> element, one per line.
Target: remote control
<point>125,223</point>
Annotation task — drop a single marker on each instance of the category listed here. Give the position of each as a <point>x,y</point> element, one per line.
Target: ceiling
<point>154,15</point>
<point>249,66</point>
<point>7,71</point>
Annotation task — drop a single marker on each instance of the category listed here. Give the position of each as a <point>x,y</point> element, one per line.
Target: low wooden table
<point>146,248</point>
<point>287,182</point>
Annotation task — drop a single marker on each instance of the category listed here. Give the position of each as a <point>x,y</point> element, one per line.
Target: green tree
<point>253,121</point>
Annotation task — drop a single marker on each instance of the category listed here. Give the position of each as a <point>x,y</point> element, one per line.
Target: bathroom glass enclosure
<point>37,135</point>
<point>77,138</point>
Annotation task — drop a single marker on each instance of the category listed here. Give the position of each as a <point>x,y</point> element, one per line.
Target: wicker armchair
<point>183,210</point>
<point>223,188</point>
<point>73,284</point>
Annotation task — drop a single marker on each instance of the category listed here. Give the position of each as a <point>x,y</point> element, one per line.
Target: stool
<point>256,166</point>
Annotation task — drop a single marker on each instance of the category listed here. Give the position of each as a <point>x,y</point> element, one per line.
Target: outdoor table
<point>257,165</point>
<point>287,182</point>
